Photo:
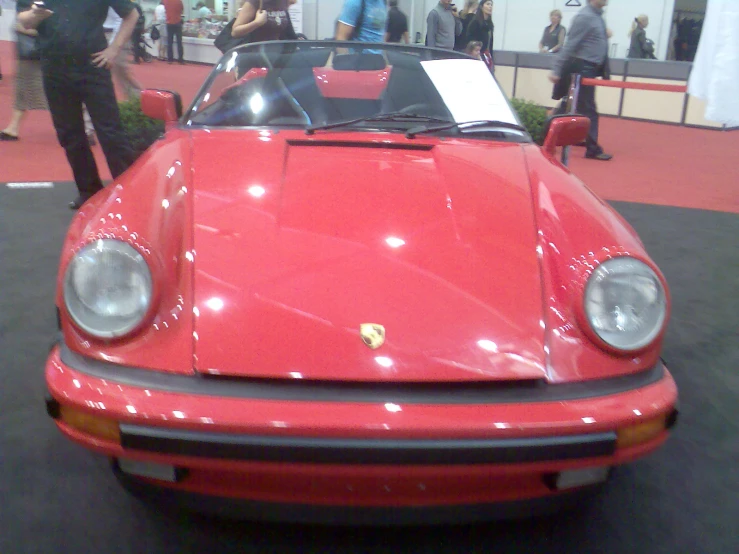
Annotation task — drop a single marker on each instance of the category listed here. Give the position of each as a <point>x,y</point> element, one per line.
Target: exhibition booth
<point>520,69</point>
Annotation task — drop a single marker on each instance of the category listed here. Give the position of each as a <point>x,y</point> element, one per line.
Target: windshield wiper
<point>481,123</point>
<point>393,116</point>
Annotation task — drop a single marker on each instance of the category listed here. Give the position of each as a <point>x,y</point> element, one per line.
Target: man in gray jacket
<point>443,25</point>
<point>586,53</point>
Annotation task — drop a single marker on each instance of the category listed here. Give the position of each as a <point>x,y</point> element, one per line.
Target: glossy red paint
<point>449,248</point>
<point>253,73</point>
<point>161,104</point>
<point>295,253</point>
<point>253,416</point>
<point>364,85</point>
<point>472,254</point>
<point>269,250</point>
<point>577,230</point>
<point>150,208</point>
<point>565,130</point>
<point>358,485</point>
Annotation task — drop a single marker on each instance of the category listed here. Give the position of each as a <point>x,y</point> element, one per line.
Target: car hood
<point>300,241</point>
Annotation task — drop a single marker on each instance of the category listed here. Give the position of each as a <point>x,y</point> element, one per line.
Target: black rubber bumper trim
<point>234,508</point>
<point>482,393</point>
<point>365,451</point>
<point>52,407</point>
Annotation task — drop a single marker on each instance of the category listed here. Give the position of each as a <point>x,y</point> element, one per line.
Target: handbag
<point>27,47</point>
<point>224,41</point>
<point>155,34</point>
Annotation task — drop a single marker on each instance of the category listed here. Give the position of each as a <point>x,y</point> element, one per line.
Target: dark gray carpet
<point>57,498</point>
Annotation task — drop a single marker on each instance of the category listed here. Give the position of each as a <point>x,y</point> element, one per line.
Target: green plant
<point>533,116</point>
<point>142,130</point>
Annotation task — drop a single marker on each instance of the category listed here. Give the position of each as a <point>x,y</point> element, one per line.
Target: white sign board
<point>457,79</point>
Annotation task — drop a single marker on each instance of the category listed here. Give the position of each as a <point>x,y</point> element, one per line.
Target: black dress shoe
<point>602,156</point>
<point>76,204</point>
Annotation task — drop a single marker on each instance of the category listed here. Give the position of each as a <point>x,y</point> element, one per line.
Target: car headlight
<point>625,303</point>
<point>108,288</point>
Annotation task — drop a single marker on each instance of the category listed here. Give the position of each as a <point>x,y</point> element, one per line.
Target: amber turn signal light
<point>641,432</point>
<point>100,427</point>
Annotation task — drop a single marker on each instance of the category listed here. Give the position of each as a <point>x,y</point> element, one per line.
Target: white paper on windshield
<point>468,90</point>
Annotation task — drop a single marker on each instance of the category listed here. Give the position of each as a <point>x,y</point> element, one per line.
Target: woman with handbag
<point>262,20</point>
<point>29,86</point>
<point>228,39</point>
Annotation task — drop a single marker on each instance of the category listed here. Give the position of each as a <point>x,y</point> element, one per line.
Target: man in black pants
<point>76,61</point>
<point>174,32</point>
<point>586,53</point>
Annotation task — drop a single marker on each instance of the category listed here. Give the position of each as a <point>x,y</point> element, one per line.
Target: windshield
<point>322,85</point>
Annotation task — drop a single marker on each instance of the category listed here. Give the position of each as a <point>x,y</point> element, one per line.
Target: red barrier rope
<point>636,86</point>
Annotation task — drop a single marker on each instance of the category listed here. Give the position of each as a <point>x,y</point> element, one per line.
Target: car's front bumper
<point>262,447</point>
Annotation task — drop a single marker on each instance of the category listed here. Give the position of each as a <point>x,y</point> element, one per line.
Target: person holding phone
<point>444,25</point>
<point>76,60</point>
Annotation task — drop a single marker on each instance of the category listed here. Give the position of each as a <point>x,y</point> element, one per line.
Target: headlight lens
<point>625,303</point>
<point>108,288</point>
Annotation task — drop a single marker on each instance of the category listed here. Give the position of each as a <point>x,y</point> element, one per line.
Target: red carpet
<point>653,163</point>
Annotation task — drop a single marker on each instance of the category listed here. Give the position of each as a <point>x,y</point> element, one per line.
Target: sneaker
<point>602,156</point>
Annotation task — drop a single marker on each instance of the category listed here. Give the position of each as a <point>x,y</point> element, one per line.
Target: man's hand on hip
<point>107,57</point>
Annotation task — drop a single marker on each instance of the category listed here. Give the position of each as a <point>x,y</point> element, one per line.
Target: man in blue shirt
<point>363,25</point>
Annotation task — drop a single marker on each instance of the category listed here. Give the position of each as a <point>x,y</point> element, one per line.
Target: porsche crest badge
<point>373,335</point>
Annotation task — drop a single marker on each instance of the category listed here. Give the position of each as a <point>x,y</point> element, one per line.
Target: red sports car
<point>346,285</point>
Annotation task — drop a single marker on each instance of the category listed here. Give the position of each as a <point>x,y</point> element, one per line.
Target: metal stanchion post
<point>572,99</point>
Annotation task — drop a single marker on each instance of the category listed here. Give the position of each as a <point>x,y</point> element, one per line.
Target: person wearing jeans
<point>174,10</point>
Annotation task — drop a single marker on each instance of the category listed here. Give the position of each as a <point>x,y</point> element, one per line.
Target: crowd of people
<point>73,61</point>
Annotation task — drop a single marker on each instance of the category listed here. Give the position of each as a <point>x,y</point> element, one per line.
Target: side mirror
<point>161,104</point>
<point>565,130</point>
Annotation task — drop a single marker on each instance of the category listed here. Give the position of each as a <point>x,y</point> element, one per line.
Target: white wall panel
<point>7,19</point>
<point>519,24</point>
